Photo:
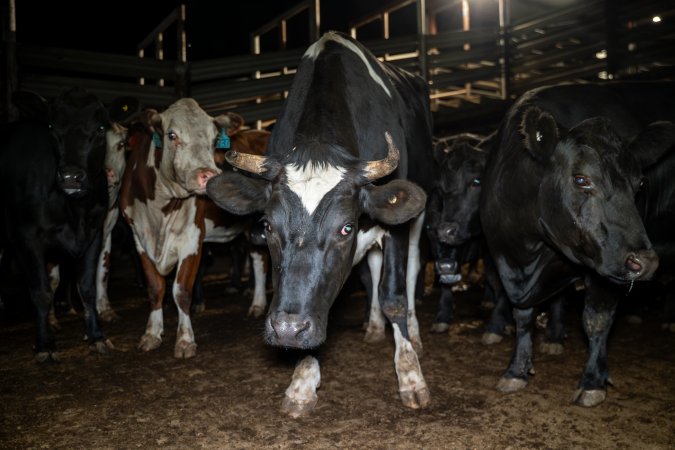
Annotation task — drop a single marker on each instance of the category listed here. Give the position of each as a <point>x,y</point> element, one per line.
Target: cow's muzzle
<point>447,271</point>
<point>641,265</point>
<point>72,180</point>
<point>292,330</point>
<point>450,233</point>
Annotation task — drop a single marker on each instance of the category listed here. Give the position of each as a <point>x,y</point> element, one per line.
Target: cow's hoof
<point>46,357</point>
<point>440,327</point>
<point>102,347</point>
<point>54,325</point>
<point>589,398</point>
<point>296,408</point>
<point>149,342</point>
<point>185,349</point>
<point>551,348</point>
<point>256,311</point>
<point>108,315</point>
<point>668,327</point>
<point>491,338</point>
<point>416,399</point>
<point>487,304</point>
<point>374,335</point>
<point>511,384</point>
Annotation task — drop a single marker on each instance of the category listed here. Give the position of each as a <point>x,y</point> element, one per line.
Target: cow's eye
<point>172,136</point>
<point>267,226</point>
<point>347,229</point>
<point>583,182</point>
<point>101,129</point>
<point>475,182</point>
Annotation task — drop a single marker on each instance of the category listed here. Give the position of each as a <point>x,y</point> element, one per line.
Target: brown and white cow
<point>161,199</point>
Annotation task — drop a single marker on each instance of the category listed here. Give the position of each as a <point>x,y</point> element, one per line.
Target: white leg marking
<point>375,330</point>
<point>153,331</point>
<point>411,385</point>
<point>412,270</point>
<point>54,280</point>
<point>259,304</point>
<point>103,307</point>
<point>301,398</point>
<point>185,337</point>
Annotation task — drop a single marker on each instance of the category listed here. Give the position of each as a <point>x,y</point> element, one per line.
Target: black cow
<point>350,121</point>
<point>558,205</point>
<point>55,199</point>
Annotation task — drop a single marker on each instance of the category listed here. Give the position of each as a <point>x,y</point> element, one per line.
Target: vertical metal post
<point>422,37</point>
<point>8,73</point>
<point>611,46</point>
<point>181,70</point>
<point>314,20</point>
<point>504,37</point>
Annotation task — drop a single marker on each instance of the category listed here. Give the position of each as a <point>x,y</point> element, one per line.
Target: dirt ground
<point>228,396</point>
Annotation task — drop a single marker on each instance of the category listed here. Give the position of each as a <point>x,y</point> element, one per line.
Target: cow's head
<point>311,218</point>
<point>462,164</point>
<point>589,181</point>
<point>122,111</point>
<point>187,137</point>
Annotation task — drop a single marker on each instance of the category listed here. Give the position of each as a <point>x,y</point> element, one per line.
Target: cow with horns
<point>345,175</point>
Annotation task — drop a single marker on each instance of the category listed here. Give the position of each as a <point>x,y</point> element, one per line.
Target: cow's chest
<point>166,234</point>
<point>71,226</point>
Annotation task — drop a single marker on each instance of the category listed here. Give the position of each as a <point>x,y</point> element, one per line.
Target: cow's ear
<point>540,132</point>
<point>30,105</point>
<point>237,193</point>
<point>653,142</point>
<point>395,202</point>
<point>230,122</point>
<point>124,109</point>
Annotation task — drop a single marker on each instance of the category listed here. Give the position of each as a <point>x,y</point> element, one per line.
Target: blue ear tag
<point>156,140</point>
<point>223,140</point>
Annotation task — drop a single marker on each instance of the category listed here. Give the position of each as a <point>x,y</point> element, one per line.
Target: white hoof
<point>491,338</point>
<point>511,384</point>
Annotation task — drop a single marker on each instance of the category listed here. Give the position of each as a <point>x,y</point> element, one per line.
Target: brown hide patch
<point>158,157</point>
<point>155,281</point>
<point>138,181</point>
<point>253,142</point>
<point>173,205</point>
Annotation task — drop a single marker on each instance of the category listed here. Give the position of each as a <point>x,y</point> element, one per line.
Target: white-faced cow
<point>336,184</point>
<point>161,199</point>
<point>54,203</point>
<point>558,205</point>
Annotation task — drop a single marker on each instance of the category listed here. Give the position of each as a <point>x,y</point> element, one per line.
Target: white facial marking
<point>312,182</point>
<point>315,49</point>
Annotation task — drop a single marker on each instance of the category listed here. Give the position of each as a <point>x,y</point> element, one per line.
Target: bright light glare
<point>602,54</point>
<point>656,19</point>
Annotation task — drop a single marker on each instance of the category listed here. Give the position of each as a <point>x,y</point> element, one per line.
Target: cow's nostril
<point>633,264</point>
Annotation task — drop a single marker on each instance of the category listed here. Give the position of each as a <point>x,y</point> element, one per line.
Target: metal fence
<point>603,40</point>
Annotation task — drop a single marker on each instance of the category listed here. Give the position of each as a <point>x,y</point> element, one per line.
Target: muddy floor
<point>228,396</point>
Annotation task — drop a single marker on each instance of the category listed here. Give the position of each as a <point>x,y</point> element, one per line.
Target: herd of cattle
<point>574,187</point>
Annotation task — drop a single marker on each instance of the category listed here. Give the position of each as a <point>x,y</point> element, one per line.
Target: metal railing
<point>462,66</point>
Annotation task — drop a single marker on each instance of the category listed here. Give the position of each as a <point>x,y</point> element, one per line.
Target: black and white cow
<point>335,185</point>
<point>558,205</point>
<point>54,202</point>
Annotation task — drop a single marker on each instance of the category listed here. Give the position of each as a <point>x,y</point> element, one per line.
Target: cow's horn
<point>246,161</point>
<point>383,167</point>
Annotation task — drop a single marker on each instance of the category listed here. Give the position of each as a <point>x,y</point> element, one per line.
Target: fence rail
<point>571,44</point>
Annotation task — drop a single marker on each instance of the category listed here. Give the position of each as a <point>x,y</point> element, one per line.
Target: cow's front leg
<point>520,367</point>
<point>411,384</point>
<point>300,398</point>
<point>54,280</point>
<point>259,263</point>
<point>598,316</point>
<point>182,295</point>
<point>156,284</point>
<point>552,344</point>
<point>412,270</point>
<point>105,311</point>
<point>375,327</point>
<point>87,289</point>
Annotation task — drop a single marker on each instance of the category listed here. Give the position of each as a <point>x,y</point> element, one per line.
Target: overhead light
<point>602,54</point>
<point>656,19</point>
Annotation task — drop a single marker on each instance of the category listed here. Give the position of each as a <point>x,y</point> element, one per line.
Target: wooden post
<point>181,70</point>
